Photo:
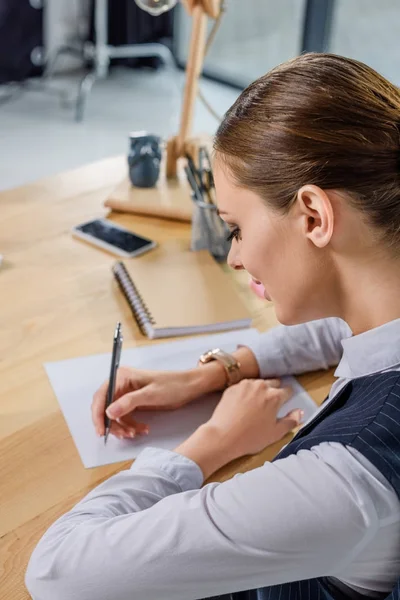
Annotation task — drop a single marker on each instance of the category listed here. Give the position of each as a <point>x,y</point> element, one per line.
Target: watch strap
<point>228,361</point>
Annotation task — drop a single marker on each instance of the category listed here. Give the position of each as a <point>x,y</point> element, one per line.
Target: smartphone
<point>111,237</point>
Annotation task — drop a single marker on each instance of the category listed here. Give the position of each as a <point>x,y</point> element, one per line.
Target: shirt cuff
<point>185,472</point>
<point>267,349</point>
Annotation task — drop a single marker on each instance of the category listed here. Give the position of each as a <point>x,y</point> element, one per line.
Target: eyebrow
<point>221,212</point>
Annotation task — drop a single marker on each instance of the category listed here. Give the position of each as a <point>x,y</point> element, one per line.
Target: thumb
<point>290,421</point>
<point>125,404</point>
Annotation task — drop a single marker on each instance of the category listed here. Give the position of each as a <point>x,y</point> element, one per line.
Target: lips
<point>259,289</point>
<point>266,296</point>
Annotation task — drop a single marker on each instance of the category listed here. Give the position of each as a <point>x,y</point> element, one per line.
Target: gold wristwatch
<point>229,362</point>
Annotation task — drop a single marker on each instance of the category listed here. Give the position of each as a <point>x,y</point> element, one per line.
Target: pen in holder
<point>209,232</point>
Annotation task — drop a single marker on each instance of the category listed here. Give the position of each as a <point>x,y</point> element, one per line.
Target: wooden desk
<point>58,300</point>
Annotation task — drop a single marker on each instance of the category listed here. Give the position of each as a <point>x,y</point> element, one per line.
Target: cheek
<point>296,277</point>
<point>284,266</point>
<point>260,251</point>
<point>300,285</point>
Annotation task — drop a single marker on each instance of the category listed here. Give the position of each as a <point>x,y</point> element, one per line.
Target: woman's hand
<point>161,390</point>
<point>151,390</point>
<point>244,422</point>
<point>246,417</point>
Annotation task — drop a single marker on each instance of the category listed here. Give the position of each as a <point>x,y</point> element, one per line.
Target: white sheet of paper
<point>74,382</point>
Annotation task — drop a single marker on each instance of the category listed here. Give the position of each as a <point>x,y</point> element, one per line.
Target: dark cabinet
<point>21,39</point>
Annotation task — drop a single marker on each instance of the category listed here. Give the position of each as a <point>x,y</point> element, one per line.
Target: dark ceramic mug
<point>144,158</point>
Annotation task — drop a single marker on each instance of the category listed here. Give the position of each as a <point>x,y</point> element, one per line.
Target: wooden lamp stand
<point>181,144</point>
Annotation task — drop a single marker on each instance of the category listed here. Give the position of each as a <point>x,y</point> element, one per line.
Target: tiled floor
<point>39,137</point>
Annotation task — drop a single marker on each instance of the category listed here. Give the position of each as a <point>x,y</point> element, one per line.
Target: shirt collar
<point>370,352</point>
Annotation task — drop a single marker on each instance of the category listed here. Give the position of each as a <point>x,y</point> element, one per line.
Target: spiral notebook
<point>174,292</point>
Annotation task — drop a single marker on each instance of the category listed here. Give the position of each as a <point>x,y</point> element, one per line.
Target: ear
<point>316,207</point>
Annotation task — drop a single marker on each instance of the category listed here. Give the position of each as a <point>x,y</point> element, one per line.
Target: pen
<point>196,173</point>
<point>116,355</point>
<point>206,174</point>
<point>210,178</point>
<point>197,195</point>
<point>201,170</point>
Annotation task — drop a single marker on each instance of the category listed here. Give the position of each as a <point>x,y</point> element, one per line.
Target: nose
<point>234,258</point>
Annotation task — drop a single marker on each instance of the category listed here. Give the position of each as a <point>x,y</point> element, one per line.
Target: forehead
<point>231,198</point>
<point>223,179</point>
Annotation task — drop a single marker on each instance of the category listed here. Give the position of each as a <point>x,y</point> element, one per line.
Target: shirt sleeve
<point>148,533</point>
<point>295,349</point>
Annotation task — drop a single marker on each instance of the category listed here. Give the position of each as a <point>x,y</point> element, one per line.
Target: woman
<point>307,171</point>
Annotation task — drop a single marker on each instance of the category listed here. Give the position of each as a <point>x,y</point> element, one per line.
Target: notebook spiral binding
<point>138,306</point>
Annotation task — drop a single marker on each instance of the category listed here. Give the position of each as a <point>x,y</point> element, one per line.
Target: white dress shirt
<point>151,533</point>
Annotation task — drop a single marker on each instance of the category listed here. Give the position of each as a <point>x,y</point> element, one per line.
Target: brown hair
<point>319,119</point>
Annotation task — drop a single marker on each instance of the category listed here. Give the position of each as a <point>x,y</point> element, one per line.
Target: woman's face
<point>281,251</point>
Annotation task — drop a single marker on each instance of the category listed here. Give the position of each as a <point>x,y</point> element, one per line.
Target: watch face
<point>206,357</point>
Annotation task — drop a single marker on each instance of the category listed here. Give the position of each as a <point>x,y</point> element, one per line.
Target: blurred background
<point>56,113</point>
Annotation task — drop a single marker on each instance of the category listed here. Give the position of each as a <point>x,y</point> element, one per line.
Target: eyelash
<point>234,235</point>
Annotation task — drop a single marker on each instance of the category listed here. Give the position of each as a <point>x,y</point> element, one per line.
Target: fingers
<point>127,427</point>
<point>289,422</point>
<point>269,388</point>
<point>273,383</point>
<point>123,425</point>
<point>282,395</point>
<point>98,405</point>
<point>121,431</point>
<point>130,425</point>
<point>124,405</point>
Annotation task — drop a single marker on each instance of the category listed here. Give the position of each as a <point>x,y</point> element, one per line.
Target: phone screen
<point>106,232</point>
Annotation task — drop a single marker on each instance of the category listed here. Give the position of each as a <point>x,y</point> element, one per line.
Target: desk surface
<point>59,301</point>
